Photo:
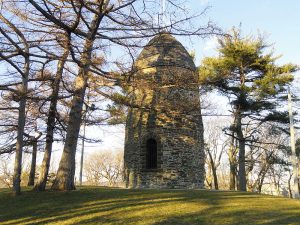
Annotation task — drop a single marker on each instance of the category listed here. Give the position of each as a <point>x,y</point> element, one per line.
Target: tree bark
<point>232,183</point>
<point>65,175</point>
<point>33,164</point>
<point>241,160</point>
<point>290,186</point>
<point>232,164</point>
<point>42,181</point>
<point>21,124</point>
<point>19,144</point>
<point>214,170</point>
<point>66,172</point>
<point>261,182</point>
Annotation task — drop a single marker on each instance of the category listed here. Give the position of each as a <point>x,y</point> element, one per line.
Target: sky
<point>278,20</point>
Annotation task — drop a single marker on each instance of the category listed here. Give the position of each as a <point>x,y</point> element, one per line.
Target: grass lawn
<point>94,205</point>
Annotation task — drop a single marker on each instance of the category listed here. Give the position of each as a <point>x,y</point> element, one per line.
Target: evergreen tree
<point>252,81</point>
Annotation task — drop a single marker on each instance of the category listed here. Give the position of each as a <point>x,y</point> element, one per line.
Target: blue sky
<point>277,19</point>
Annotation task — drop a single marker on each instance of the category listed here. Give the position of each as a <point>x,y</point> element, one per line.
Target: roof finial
<point>162,14</point>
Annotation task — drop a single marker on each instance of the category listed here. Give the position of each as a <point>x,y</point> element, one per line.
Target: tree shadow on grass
<point>120,206</point>
<point>234,218</point>
<point>50,207</point>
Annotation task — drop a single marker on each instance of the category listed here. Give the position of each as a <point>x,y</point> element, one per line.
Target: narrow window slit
<point>151,154</point>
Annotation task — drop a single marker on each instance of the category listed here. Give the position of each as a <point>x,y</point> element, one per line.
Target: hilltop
<point>94,205</point>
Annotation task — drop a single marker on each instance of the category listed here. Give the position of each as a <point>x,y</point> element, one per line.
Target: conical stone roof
<point>164,50</point>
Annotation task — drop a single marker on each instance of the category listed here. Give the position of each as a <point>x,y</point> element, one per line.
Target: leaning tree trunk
<point>262,173</point>
<point>33,164</point>
<point>242,165</point>
<point>42,181</point>
<point>261,181</point>
<point>65,175</point>
<point>214,170</point>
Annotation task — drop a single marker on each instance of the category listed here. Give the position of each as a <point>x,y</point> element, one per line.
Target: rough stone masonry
<point>164,145</point>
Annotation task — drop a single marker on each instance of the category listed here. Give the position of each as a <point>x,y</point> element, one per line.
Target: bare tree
<point>6,174</point>
<point>215,147</point>
<point>266,158</point>
<point>104,167</point>
<point>16,55</point>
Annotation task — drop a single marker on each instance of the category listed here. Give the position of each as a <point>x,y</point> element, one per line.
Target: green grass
<point>94,205</point>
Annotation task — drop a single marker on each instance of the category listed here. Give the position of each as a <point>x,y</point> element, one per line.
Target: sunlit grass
<point>92,205</point>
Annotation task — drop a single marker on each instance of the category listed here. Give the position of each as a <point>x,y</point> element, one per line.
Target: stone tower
<point>164,131</point>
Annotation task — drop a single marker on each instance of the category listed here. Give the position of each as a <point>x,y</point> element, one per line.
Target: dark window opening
<point>151,154</point>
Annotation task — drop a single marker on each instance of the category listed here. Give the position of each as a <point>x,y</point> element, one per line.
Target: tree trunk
<point>233,174</point>
<point>214,170</point>
<point>33,164</point>
<point>215,179</point>
<point>242,166</point>
<point>82,151</point>
<point>20,132</point>
<point>232,164</point>
<point>290,186</point>
<point>65,175</point>
<point>261,183</point>
<point>208,179</point>
<point>19,147</point>
<point>41,184</point>
<point>66,172</point>
<point>262,174</point>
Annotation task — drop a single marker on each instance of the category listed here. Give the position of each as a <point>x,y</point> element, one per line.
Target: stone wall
<point>166,108</point>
